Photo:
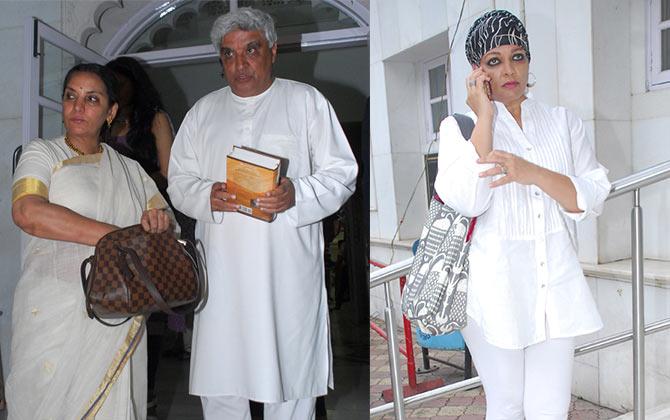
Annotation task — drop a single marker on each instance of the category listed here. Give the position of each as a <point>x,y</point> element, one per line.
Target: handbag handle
<point>200,267</point>
<point>143,275</point>
<point>85,284</point>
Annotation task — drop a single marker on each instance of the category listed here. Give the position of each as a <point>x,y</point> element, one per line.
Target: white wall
<point>612,118</point>
<point>650,122</point>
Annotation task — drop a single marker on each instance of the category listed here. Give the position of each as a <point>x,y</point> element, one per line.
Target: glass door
<point>48,57</point>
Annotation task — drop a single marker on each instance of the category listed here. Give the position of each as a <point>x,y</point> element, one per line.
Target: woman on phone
<point>528,173</point>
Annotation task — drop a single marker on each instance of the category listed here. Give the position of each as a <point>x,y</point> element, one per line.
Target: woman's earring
<point>531,80</point>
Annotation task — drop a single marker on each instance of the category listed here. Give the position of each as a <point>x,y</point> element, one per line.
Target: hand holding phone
<point>480,96</point>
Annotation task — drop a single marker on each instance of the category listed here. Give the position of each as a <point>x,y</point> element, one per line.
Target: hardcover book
<point>250,173</point>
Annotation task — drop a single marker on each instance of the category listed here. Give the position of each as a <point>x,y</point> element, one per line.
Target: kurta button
<point>542,264</point>
<point>544,285</point>
<point>539,216</point>
<point>537,193</point>
<point>48,367</point>
<point>529,148</point>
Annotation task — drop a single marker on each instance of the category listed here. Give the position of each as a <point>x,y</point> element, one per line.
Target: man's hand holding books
<point>278,200</point>
<point>220,199</point>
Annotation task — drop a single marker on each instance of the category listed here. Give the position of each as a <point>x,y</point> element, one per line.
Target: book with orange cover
<point>251,173</point>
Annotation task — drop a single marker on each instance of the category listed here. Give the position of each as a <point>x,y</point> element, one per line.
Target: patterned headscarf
<point>491,30</point>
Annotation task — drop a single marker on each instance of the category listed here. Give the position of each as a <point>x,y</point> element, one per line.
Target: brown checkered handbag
<point>134,272</point>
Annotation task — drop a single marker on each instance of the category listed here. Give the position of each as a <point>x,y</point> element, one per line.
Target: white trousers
<point>237,408</point>
<point>533,382</point>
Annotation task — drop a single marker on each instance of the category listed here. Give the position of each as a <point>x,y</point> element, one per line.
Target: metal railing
<point>632,183</point>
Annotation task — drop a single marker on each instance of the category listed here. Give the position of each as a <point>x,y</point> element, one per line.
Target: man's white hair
<point>246,19</point>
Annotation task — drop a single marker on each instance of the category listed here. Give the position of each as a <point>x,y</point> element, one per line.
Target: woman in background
<point>142,129</point>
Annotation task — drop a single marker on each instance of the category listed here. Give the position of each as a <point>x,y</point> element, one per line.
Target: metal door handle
<point>16,157</point>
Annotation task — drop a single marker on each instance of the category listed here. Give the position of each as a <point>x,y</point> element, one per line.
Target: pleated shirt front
<point>526,284</point>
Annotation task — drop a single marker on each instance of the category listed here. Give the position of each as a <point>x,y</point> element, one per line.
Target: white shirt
<point>526,284</point>
<point>263,334</point>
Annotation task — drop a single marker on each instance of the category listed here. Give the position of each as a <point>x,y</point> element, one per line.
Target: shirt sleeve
<point>33,172</point>
<point>590,177</point>
<point>189,191</point>
<point>334,169</point>
<point>457,181</point>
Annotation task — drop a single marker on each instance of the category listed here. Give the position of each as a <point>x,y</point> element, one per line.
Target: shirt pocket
<point>284,147</point>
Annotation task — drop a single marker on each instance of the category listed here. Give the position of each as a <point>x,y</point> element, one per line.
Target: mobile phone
<point>487,87</point>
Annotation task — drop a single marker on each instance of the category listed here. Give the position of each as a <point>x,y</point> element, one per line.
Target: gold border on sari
<point>123,355</point>
<point>156,202</point>
<point>78,160</point>
<point>29,186</point>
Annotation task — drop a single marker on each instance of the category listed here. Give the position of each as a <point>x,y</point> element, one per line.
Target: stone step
<point>661,412</point>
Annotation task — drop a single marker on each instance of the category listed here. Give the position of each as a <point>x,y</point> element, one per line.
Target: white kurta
<point>264,332</point>
<point>526,283</point>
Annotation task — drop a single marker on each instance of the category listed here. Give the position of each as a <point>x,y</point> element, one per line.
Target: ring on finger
<point>503,170</point>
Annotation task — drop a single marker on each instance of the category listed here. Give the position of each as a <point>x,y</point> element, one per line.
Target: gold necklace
<point>77,151</point>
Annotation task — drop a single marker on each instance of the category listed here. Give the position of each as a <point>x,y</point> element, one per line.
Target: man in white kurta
<point>264,332</point>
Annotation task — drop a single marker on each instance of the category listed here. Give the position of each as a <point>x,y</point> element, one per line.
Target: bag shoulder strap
<point>465,123</point>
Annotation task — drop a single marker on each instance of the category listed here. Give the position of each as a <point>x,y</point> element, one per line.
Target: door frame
<point>140,21</point>
<point>35,33</point>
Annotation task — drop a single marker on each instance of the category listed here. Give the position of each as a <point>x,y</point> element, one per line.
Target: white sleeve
<point>457,181</point>
<point>333,168</point>
<point>189,191</point>
<point>37,161</point>
<point>590,178</point>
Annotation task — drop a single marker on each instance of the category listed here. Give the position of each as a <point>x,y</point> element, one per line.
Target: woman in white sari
<point>68,192</point>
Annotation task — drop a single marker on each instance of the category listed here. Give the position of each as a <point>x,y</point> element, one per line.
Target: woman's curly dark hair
<point>146,103</point>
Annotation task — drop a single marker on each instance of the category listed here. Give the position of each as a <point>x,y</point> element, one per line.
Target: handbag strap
<point>89,309</point>
<point>198,261</point>
<point>465,123</point>
<point>109,324</point>
<point>84,284</point>
<point>144,277</point>
<point>203,280</point>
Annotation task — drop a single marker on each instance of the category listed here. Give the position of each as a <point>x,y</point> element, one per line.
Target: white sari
<point>64,365</point>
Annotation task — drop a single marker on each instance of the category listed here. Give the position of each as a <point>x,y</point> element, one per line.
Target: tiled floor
<point>466,405</point>
<point>348,401</point>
